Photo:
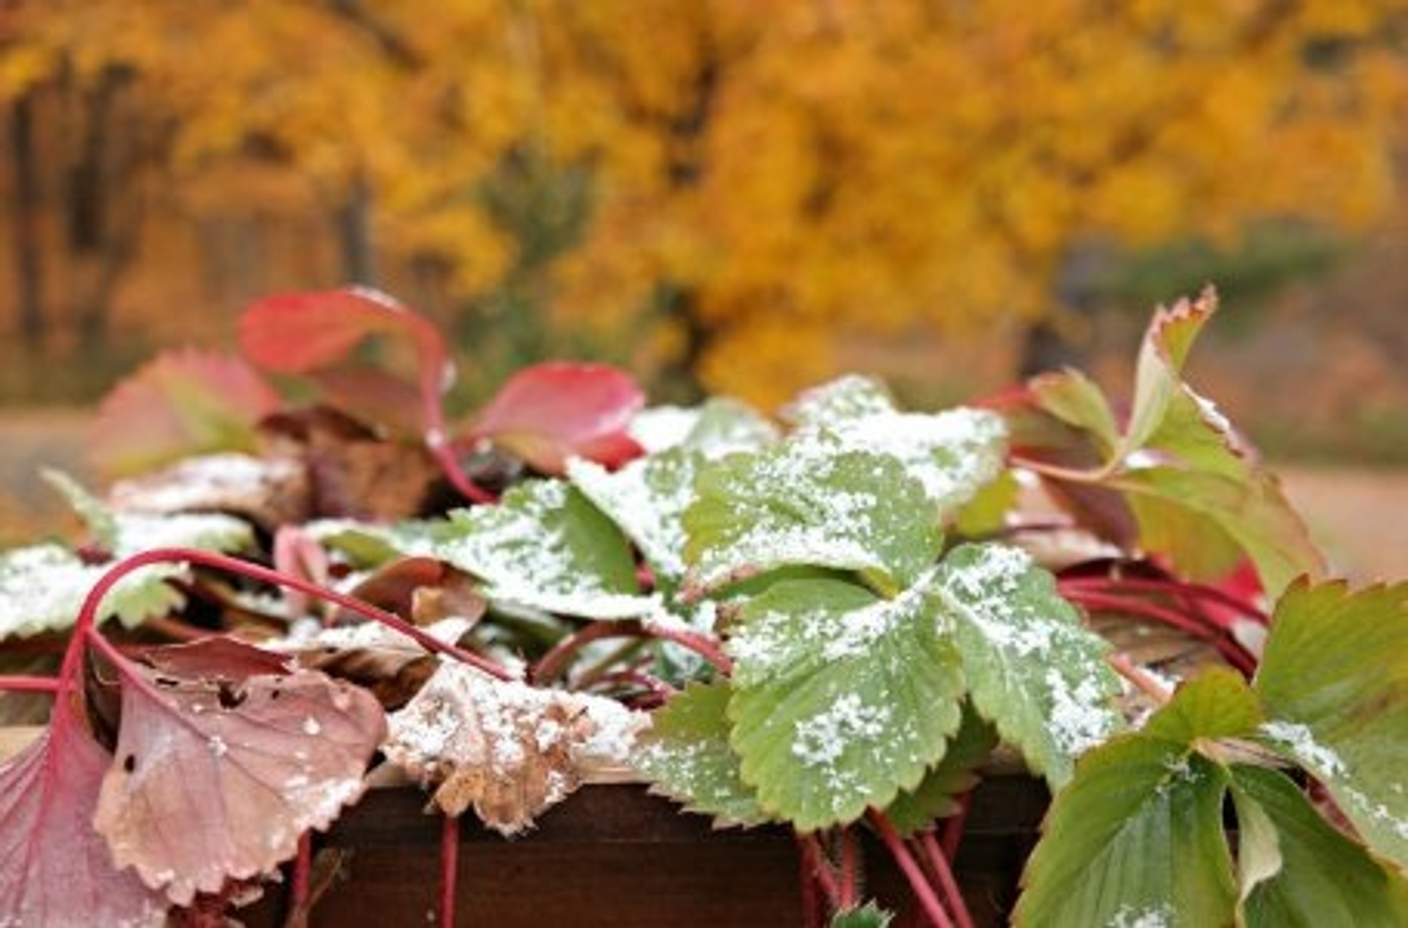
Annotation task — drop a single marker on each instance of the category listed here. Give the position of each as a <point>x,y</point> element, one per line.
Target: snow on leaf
<point>549,412</point>
<point>849,397</point>
<point>724,426</point>
<point>841,698</point>
<point>268,491</point>
<point>545,546</point>
<point>953,453</point>
<point>1296,869</point>
<point>508,749</point>
<point>182,403</point>
<point>1334,683</point>
<point>686,756</point>
<point>126,533</point>
<point>213,782</point>
<point>803,502</point>
<point>646,499</point>
<point>43,586</point>
<point>54,868</point>
<point>1032,666</point>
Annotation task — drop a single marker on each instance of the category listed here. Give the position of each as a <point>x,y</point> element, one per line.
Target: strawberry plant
<point>836,621</point>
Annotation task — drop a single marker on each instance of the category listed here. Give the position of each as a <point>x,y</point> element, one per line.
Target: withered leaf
<point>54,868</point>
<point>269,491</point>
<point>508,749</point>
<point>212,782</point>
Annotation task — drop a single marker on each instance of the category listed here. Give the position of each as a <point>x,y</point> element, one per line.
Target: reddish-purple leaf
<point>300,333</point>
<point>216,782</point>
<point>552,411</point>
<point>184,402</point>
<point>217,657</point>
<point>54,868</point>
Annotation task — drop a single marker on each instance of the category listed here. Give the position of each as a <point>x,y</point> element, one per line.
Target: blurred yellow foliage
<point>773,169</point>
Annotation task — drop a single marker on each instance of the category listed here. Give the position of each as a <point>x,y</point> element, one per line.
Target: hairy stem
<point>928,900</point>
<point>556,660</point>
<point>938,861</point>
<point>815,866</point>
<point>28,684</point>
<point>1141,678</point>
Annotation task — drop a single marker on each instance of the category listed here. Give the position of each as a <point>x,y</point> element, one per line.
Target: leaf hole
<point>229,696</point>
<point>129,763</point>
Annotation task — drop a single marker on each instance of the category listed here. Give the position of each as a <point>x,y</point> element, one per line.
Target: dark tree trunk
<point>1062,340</point>
<point>354,228</point>
<point>100,250</point>
<point>29,252</point>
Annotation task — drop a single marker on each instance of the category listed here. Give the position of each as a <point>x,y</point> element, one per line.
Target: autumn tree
<point>725,186</point>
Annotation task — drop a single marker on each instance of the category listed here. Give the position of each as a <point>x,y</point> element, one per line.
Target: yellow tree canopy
<point>762,173</point>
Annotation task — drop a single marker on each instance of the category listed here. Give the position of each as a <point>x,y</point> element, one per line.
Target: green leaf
<point>725,425</point>
<point>646,499</point>
<point>841,698</point>
<point>1295,869</point>
<point>369,545</point>
<point>1135,839</point>
<point>986,513</point>
<point>953,453</point>
<point>1334,683</point>
<point>915,810</point>
<point>1033,667</point>
<point>545,546</point>
<point>42,588</point>
<point>1076,400</point>
<point>804,503</point>
<point>686,755</point>
<point>125,533</point>
<point>1158,374</point>
<point>867,916</point>
<point>845,398</point>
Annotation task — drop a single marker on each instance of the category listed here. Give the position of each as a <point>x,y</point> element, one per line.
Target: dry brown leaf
<point>267,491</point>
<point>508,749</point>
<point>212,782</point>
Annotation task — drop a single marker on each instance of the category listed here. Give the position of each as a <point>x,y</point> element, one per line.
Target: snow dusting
<point>821,740</point>
<point>646,499</point>
<point>1300,740</point>
<point>1159,916</point>
<point>1080,715</point>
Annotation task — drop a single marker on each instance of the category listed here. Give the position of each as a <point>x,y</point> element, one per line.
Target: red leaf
<point>550,412</point>
<point>213,782</point>
<point>299,333</point>
<point>216,656</point>
<point>54,868</point>
<point>182,403</point>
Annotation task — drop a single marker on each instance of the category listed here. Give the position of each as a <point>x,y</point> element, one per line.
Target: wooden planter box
<point>614,855</point>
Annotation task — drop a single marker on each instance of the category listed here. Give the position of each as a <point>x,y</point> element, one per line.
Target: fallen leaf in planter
<point>353,472</point>
<point>389,664</point>
<point>423,588</point>
<point>217,656</point>
<point>508,749</point>
<point>54,868</point>
<point>213,782</point>
<point>269,491</point>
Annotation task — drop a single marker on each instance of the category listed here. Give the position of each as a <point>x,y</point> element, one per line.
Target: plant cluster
<point>831,621</point>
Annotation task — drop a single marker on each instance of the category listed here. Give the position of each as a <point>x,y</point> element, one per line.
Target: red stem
<point>1170,588</point>
<point>1227,646</point>
<point>302,873</point>
<point>449,869</point>
<point>86,623</point>
<point>938,862</point>
<point>850,879</point>
<point>444,454</point>
<point>813,915</point>
<point>654,685</point>
<point>951,834</point>
<point>552,663</point>
<point>26,684</point>
<point>814,863</point>
<point>1139,677</point>
<point>928,900</point>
